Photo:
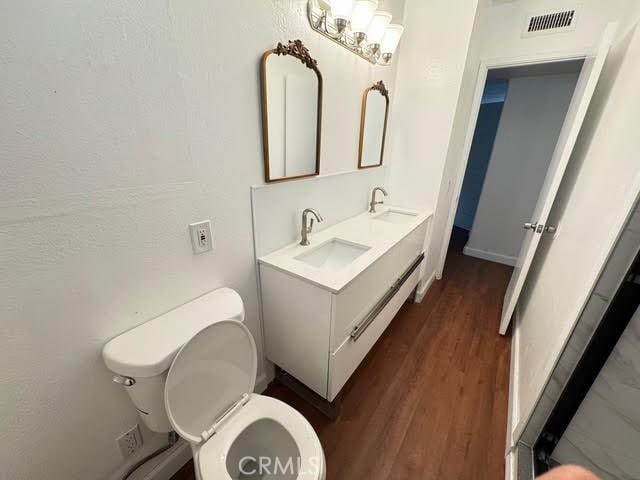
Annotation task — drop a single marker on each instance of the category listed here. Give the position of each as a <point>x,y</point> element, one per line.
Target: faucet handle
<point>311,225</point>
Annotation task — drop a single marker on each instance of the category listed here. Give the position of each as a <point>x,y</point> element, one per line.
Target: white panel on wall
<point>277,208</point>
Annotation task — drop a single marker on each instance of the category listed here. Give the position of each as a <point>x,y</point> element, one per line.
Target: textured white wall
<point>519,162</point>
<point>121,122</point>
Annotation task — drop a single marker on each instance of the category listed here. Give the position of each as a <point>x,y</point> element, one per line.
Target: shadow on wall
<point>495,94</point>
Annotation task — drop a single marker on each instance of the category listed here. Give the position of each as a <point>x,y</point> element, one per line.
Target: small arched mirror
<point>291,112</point>
<point>373,125</point>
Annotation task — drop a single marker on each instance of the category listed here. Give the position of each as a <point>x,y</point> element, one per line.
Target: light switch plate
<point>201,237</point>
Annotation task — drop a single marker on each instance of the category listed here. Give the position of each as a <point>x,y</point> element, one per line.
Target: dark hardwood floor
<point>430,399</point>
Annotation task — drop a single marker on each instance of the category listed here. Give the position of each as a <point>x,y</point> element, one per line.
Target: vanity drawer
<point>352,304</point>
<point>351,352</point>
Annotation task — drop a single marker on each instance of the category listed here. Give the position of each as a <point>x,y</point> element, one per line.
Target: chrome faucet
<point>372,205</point>
<point>306,230</point>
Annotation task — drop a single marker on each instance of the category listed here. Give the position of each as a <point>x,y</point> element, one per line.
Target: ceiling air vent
<point>549,23</point>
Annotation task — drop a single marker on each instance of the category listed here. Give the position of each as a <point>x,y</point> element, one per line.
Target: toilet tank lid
<point>148,349</point>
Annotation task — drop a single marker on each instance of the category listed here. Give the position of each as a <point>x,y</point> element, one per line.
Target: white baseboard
<point>491,256</point>
<point>423,288</point>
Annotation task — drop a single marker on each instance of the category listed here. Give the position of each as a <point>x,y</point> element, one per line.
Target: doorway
<point>519,122</point>
<point>539,222</point>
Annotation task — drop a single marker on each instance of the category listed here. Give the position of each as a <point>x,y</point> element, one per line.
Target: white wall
<point>503,24</point>
<point>428,84</point>
<point>602,183</point>
<point>498,36</point>
<point>531,119</point>
<point>121,122</point>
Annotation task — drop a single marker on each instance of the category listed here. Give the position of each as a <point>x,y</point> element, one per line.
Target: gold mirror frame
<point>296,49</point>
<point>382,90</point>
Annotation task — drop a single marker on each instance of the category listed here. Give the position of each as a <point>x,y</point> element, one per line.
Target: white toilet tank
<point>141,357</point>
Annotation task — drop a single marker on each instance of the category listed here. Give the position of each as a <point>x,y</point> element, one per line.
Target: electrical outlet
<point>201,239</point>
<point>130,442</point>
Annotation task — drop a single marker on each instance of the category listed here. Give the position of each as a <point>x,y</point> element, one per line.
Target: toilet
<point>193,370</point>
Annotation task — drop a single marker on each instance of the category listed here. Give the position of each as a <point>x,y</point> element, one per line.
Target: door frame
<point>481,80</point>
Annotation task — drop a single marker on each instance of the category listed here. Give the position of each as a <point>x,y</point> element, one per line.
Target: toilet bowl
<point>236,434</point>
<point>193,370</point>
<point>266,431</point>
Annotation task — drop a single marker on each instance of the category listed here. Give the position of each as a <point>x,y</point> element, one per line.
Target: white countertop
<point>362,229</point>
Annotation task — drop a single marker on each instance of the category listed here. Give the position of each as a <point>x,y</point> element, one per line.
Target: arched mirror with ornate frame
<point>373,125</point>
<point>291,112</point>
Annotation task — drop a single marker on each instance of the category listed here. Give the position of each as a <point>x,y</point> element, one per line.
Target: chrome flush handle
<point>124,380</point>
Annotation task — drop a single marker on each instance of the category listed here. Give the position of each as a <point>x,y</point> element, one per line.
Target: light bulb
<point>341,9</point>
<point>361,15</point>
<point>378,27</point>
<point>390,41</point>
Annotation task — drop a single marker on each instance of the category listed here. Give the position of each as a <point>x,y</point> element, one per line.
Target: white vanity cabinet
<point>319,334</point>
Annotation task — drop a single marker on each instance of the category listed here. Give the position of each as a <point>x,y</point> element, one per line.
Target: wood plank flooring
<point>430,399</point>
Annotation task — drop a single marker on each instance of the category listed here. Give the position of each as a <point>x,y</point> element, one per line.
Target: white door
<point>566,141</point>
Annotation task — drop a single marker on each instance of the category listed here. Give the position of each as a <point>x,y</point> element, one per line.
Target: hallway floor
<point>430,400</point>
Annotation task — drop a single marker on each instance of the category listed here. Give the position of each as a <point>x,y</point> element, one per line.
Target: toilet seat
<point>213,454</point>
<point>209,402</point>
<point>210,374</point>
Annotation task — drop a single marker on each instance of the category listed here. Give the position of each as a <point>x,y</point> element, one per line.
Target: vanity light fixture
<point>341,12</point>
<point>358,26</point>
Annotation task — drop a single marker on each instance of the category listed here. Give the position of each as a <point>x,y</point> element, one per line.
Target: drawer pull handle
<point>360,328</point>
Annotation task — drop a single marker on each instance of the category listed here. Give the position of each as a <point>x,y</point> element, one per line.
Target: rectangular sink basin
<point>396,216</point>
<point>334,254</point>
